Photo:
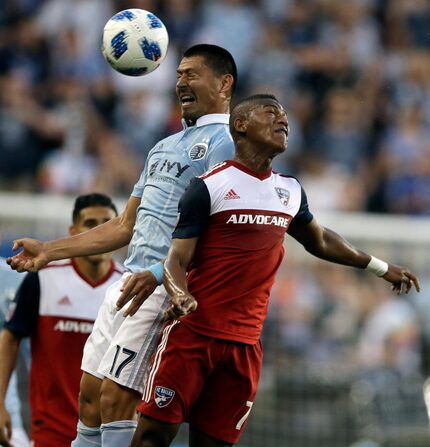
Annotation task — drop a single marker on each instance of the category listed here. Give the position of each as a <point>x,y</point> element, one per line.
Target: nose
<point>283,121</point>
<point>180,81</point>
<point>282,118</point>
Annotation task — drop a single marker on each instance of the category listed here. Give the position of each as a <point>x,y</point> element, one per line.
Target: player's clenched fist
<point>31,259</point>
<point>181,305</point>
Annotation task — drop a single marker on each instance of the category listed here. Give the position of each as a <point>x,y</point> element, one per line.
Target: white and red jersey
<point>241,218</point>
<point>56,307</point>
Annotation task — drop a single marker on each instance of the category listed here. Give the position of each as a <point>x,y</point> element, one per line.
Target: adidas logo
<point>65,301</point>
<point>231,195</point>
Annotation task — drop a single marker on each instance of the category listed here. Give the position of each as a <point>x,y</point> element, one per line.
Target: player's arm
<point>330,246</point>
<point>22,323</point>
<point>175,277</point>
<point>107,237</point>
<point>9,347</point>
<point>139,286</point>
<point>194,210</point>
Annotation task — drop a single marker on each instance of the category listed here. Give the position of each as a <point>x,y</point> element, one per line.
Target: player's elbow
<point>317,250</point>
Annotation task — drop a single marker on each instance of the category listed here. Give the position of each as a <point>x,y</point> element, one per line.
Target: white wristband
<point>376,266</point>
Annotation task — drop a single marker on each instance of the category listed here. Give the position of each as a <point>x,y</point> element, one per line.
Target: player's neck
<point>254,162</point>
<point>93,271</point>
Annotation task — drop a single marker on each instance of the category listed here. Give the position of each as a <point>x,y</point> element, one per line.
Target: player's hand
<point>401,279</point>
<point>136,288</point>
<point>181,305</point>
<point>5,428</point>
<point>31,259</point>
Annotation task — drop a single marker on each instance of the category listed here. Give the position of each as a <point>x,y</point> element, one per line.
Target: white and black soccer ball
<point>135,42</point>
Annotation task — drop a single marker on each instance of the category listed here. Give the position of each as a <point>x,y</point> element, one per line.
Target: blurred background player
<point>226,249</point>
<point>119,348</point>
<point>56,308</point>
<point>12,426</point>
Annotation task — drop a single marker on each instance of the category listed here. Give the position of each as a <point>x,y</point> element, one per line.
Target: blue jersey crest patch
<point>198,151</point>
<point>163,396</point>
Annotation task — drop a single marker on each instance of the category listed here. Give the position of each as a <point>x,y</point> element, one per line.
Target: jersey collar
<point>88,280</point>
<point>243,168</point>
<point>212,118</point>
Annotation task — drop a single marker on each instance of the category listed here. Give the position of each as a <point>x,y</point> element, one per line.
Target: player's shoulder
<point>286,179</point>
<point>170,138</point>
<point>166,142</point>
<point>215,170</point>
<point>219,134</point>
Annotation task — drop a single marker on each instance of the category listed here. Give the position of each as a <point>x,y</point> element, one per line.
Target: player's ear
<point>227,84</point>
<point>240,125</point>
<point>72,230</point>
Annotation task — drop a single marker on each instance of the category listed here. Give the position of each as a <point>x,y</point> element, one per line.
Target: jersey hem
<point>226,336</point>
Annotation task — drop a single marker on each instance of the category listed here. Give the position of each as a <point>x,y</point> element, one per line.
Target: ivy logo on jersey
<point>163,396</point>
<point>167,166</point>
<point>284,195</point>
<point>198,151</point>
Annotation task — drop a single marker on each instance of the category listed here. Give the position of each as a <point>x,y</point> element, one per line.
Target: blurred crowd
<point>354,76</point>
<point>349,359</point>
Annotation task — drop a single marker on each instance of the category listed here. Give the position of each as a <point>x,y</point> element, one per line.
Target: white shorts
<point>120,348</point>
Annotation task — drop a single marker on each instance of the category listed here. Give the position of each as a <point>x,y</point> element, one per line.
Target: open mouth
<point>187,100</point>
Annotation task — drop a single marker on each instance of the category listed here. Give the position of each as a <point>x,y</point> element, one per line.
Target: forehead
<point>193,63</point>
<point>96,212</point>
<point>268,102</point>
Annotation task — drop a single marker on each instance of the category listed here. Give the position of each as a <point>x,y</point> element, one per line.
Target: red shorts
<point>208,382</point>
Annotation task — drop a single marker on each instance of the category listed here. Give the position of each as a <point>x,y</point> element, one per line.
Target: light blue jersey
<point>170,166</point>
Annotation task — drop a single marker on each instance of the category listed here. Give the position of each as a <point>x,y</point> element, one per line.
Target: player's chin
<point>190,112</point>
<point>279,148</point>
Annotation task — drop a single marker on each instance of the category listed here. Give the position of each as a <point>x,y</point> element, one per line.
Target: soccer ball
<point>134,42</point>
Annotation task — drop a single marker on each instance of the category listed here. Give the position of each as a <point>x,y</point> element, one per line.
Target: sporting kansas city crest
<point>198,151</point>
<point>163,396</point>
<point>284,195</point>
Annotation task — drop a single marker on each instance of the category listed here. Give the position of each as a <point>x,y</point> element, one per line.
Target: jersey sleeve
<point>23,315</point>
<point>194,210</point>
<point>303,216</point>
<point>220,151</point>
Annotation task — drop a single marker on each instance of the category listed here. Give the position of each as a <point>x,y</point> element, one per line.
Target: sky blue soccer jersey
<point>170,166</point>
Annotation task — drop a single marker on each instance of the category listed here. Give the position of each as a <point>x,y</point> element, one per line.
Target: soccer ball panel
<point>134,42</point>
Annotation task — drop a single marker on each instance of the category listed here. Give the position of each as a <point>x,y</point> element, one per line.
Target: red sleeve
<point>23,315</point>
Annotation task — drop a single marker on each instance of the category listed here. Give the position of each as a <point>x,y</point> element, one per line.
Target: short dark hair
<point>241,107</point>
<point>217,58</point>
<point>93,199</point>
